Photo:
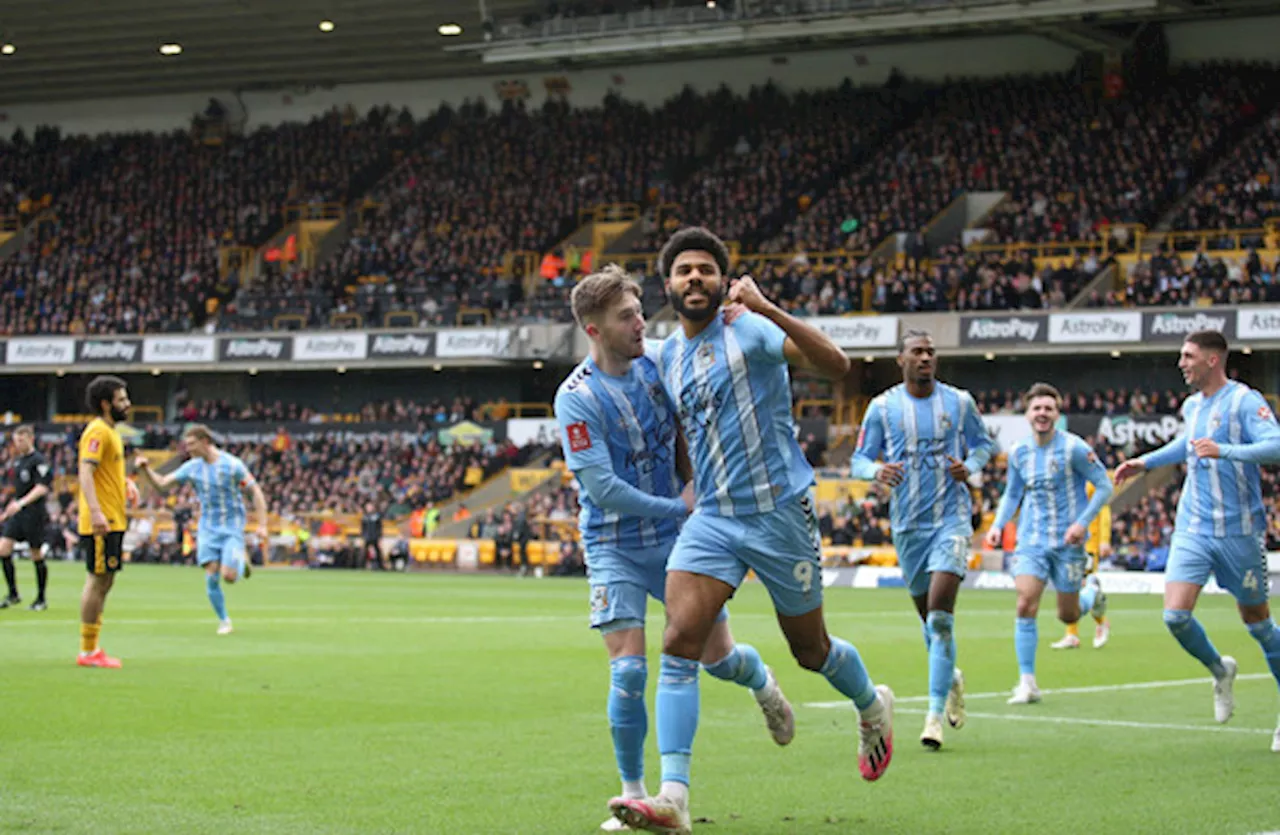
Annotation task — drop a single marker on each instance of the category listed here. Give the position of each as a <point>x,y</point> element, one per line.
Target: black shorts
<point>28,528</point>
<point>102,554</point>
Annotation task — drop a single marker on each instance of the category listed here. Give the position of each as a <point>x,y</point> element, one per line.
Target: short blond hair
<point>596,292</point>
<point>198,431</point>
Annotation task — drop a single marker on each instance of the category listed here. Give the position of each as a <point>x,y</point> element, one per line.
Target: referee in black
<point>26,517</point>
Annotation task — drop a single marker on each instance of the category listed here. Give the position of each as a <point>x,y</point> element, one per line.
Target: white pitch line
<point>1101,688</point>
<point>1104,723</point>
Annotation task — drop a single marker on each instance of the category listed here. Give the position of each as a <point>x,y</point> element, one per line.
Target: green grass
<point>366,703</point>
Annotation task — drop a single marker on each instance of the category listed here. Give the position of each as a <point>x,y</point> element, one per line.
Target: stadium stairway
<point>493,493</point>
<point>1133,490</point>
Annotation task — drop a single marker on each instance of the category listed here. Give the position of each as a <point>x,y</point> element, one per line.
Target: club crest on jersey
<point>706,356</point>
<point>945,423</point>
<point>1092,457</point>
<point>1265,413</point>
<point>94,444</point>
<point>579,436</point>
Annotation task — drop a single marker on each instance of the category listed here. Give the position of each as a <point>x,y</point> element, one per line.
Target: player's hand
<point>1207,448</point>
<point>1129,469</point>
<point>732,312</point>
<point>992,539</point>
<point>890,473</point>
<point>690,499</point>
<point>10,509</point>
<point>98,521</point>
<point>141,463</point>
<point>958,470</point>
<point>745,292</point>
<point>1075,534</point>
<point>131,495</point>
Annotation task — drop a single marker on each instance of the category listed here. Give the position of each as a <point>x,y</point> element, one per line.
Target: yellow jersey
<point>101,444</point>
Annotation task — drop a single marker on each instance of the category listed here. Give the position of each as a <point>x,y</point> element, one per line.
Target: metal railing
<point>312,211</point>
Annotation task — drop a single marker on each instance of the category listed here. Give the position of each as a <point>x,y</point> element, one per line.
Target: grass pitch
<point>369,703</point>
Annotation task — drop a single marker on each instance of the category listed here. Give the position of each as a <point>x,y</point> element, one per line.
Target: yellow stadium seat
<point>488,552</point>
<point>534,552</point>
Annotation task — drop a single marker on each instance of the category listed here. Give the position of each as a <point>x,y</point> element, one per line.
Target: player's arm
<point>866,465</point>
<point>976,438</point>
<point>88,467</point>
<point>259,507</point>
<point>586,454</point>
<point>1174,452</point>
<point>1014,490</point>
<point>1085,462</point>
<point>804,345</point>
<point>159,482</point>
<point>684,464</point>
<point>1263,434</point>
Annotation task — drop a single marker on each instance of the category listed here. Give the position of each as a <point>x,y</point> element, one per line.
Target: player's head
<point>694,263</point>
<point>1203,358</point>
<point>917,357</point>
<point>24,439</point>
<point>197,440</point>
<point>1044,405</point>
<point>607,307</point>
<point>108,396</point>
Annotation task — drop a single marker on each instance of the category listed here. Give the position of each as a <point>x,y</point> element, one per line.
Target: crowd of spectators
<point>132,240</point>
<point>774,150</point>
<point>1111,401</point>
<point>1245,191</point>
<point>436,412</point>
<point>1168,279</point>
<point>136,223</point>
<point>1072,162</point>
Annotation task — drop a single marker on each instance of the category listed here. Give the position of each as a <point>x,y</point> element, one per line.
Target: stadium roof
<point>79,49</point>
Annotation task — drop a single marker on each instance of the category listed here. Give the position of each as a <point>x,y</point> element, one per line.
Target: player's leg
<point>946,682</point>
<point>209,556</point>
<point>1029,580</point>
<point>784,548</point>
<point>39,549</point>
<point>102,555</point>
<point>693,602</point>
<point>727,660</point>
<point>627,714</point>
<point>620,586</point>
<point>10,575</point>
<point>946,561</point>
<point>702,574</point>
<point>1241,568</point>
<point>1191,560</point>
<point>1065,567</point>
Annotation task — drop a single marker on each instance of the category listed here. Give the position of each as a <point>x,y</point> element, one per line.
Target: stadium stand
<point>137,214</point>
<point>433,237</point>
<point>1245,191</point>
<point>1051,146</point>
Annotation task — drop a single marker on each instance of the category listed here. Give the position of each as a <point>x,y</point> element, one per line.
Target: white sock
<point>1029,679</point>
<point>873,712</point>
<point>633,788</point>
<point>768,691</point>
<point>677,793</point>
